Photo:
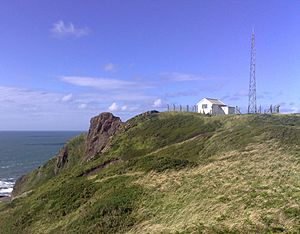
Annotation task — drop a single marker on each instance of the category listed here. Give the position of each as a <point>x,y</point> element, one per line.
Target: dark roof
<point>216,101</point>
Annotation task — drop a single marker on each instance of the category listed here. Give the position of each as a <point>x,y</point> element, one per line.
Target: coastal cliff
<point>166,172</point>
<point>102,128</point>
<point>77,151</point>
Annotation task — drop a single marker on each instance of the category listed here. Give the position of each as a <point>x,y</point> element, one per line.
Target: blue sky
<point>62,62</point>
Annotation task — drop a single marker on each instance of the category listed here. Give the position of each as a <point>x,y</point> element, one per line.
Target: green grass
<point>159,130</point>
<point>176,173</point>
<point>39,176</point>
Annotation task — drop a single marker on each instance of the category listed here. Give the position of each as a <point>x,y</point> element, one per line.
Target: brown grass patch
<point>238,191</point>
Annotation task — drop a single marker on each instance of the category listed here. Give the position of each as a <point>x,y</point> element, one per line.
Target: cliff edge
<point>77,151</point>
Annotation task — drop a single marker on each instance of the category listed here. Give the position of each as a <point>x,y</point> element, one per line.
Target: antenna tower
<point>252,108</point>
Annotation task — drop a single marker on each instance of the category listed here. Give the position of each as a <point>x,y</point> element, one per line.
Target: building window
<point>204,106</point>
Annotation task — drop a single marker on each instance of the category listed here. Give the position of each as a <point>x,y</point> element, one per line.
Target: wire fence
<point>272,109</point>
<point>182,108</point>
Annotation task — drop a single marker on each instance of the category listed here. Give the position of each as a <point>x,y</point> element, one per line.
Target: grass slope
<point>174,173</point>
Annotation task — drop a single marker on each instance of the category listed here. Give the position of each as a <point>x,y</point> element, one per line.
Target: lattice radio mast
<point>252,108</point>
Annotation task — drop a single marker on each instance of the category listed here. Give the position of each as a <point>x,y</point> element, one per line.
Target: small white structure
<point>214,107</point>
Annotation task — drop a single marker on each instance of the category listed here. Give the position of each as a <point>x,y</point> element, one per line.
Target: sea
<point>21,152</point>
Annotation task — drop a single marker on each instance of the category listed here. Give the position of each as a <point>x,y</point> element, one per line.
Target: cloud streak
<point>157,103</point>
<point>109,67</point>
<point>101,83</point>
<point>61,30</point>
<point>40,108</point>
<point>82,106</point>
<point>31,109</point>
<point>67,98</point>
<point>180,77</point>
<point>113,107</point>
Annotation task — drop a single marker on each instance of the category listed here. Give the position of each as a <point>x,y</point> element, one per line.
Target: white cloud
<point>110,67</point>
<point>16,99</point>
<point>82,106</point>
<point>67,98</point>
<point>61,30</point>
<point>46,110</point>
<point>115,95</point>
<point>157,103</point>
<point>99,83</point>
<point>123,108</point>
<point>113,107</point>
<point>293,110</point>
<point>20,96</point>
<point>175,76</point>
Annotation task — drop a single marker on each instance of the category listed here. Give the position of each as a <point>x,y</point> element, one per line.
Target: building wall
<point>218,110</point>
<point>202,110</point>
<point>231,110</point>
<point>214,109</point>
<point>225,109</point>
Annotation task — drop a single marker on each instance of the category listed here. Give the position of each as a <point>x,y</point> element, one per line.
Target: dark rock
<point>18,185</point>
<point>102,128</point>
<point>147,113</point>
<point>61,159</point>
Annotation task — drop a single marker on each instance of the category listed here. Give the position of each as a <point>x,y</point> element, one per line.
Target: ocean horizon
<point>23,151</point>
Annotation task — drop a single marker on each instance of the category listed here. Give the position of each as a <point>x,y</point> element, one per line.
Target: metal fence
<point>272,109</point>
<point>182,108</point>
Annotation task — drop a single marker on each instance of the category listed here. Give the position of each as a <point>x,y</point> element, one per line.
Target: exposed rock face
<point>102,128</point>
<point>150,112</point>
<point>61,159</point>
<point>18,185</point>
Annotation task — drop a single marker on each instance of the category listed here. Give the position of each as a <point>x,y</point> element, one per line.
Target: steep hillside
<point>166,173</point>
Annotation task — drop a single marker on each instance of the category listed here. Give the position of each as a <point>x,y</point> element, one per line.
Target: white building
<point>214,107</point>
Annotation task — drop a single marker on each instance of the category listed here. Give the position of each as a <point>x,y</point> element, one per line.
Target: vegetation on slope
<point>173,173</point>
<point>39,176</point>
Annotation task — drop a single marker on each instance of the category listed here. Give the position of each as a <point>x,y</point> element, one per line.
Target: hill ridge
<point>176,173</point>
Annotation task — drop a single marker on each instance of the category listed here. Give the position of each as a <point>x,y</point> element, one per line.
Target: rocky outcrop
<point>61,159</point>
<point>77,150</point>
<point>102,128</point>
<point>148,113</point>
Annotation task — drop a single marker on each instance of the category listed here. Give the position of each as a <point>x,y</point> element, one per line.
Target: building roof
<point>214,101</point>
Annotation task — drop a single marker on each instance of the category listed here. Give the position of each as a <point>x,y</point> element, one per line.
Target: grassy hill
<point>171,173</point>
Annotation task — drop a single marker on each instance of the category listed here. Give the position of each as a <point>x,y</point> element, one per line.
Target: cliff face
<point>78,150</point>
<point>102,128</point>
<point>61,159</point>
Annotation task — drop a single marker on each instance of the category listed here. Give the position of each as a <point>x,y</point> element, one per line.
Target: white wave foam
<point>6,184</point>
<point>6,191</point>
<point>6,187</point>
<point>5,167</point>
